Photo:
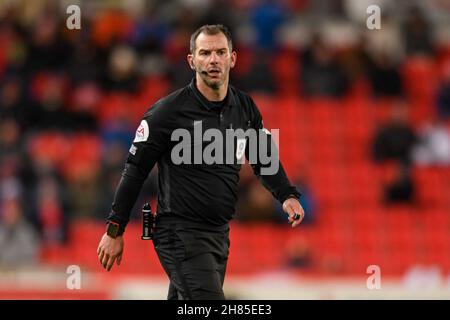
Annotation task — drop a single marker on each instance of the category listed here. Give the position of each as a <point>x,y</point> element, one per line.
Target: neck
<point>209,93</point>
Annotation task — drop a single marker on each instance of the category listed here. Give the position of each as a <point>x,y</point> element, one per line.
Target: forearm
<point>126,194</point>
<point>278,184</point>
<point>269,169</point>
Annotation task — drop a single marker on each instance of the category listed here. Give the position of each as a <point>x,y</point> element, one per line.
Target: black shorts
<point>194,256</point>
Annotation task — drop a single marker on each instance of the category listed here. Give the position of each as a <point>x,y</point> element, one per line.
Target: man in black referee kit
<point>197,196</point>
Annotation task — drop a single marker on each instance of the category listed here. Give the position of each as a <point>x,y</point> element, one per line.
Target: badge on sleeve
<point>142,132</point>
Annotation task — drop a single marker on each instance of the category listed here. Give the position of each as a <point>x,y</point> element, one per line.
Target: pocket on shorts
<point>185,240</point>
<point>161,236</point>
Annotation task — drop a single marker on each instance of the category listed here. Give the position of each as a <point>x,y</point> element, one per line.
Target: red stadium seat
<point>431,187</point>
<point>286,71</point>
<point>420,68</point>
<point>51,147</point>
<point>83,156</point>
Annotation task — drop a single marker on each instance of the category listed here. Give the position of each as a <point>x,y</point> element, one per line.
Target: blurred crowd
<point>70,100</point>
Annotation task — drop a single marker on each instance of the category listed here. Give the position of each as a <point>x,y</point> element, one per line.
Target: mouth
<point>214,73</point>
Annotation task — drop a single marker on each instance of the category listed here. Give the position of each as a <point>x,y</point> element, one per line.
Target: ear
<point>233,59</point>
<point>190,59</point>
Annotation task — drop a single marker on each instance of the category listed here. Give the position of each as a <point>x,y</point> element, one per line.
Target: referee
<point>196,201</point>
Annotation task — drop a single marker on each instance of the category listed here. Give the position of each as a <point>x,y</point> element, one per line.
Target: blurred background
<point>364,119</point>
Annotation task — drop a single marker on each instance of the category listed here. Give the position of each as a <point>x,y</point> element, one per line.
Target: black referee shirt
<point>200,192</point>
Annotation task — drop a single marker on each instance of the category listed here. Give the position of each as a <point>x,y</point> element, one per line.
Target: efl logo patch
<point>240,150</point>
<point>133,150</point>
<point>141,132</point>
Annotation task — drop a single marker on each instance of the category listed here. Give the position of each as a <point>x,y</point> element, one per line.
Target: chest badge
<point>240,150</point>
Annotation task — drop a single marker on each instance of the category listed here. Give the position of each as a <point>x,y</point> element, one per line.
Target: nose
<point>213,58</point>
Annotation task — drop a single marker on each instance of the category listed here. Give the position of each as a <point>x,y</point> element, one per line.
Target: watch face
<point>113,229</point>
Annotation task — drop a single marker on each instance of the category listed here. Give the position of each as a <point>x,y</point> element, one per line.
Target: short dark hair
<point>211,29</point>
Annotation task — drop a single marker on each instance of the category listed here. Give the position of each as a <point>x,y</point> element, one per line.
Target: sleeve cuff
<point>290,192</point>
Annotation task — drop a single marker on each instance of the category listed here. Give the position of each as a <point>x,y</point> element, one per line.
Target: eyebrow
<point>208,50</point>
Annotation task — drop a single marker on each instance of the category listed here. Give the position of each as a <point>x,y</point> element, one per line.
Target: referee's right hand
<point>110,250</point>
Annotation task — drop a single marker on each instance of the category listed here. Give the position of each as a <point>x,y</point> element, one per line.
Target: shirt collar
<point>229,99</point>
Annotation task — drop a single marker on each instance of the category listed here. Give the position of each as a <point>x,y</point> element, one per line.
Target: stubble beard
<point>214,84</point>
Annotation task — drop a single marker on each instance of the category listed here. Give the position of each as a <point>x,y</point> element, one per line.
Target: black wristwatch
<point>112,229</point>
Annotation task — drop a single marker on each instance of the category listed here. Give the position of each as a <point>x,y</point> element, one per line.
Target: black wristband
<point>113,229</point>
<point>116,218</point>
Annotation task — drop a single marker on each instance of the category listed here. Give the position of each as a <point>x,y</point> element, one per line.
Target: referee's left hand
<point>292,206</point>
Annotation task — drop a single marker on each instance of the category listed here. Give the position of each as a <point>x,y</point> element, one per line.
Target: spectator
<point>299,255</point>
<point>321,73</point>
<point>259,78</point>
<point>356,61</point>
<point>221,12</point>
<point>417,33</point>
<point>50,209</point>
<point>14,47</point>
<point>10,185</point>
<point>443,93</point>
<point>12,104</point>
<point>401,189</point>
<point>9,137</point>
<point>85,64</point>
<point>122,70</point>
<point>175,49</point>
<point>48,49</point>
<point>267,17</point>
<point>48,110</point>
<point>83,107</point>
<point>434,145</point>
<point>110,175</point>
<point>13,160</point>
<point>19,242</point>
<point>395,139</point>
<point>255,202</point>
<point>384,76</point>
<point>15,170</point>
<point>84,192</point>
